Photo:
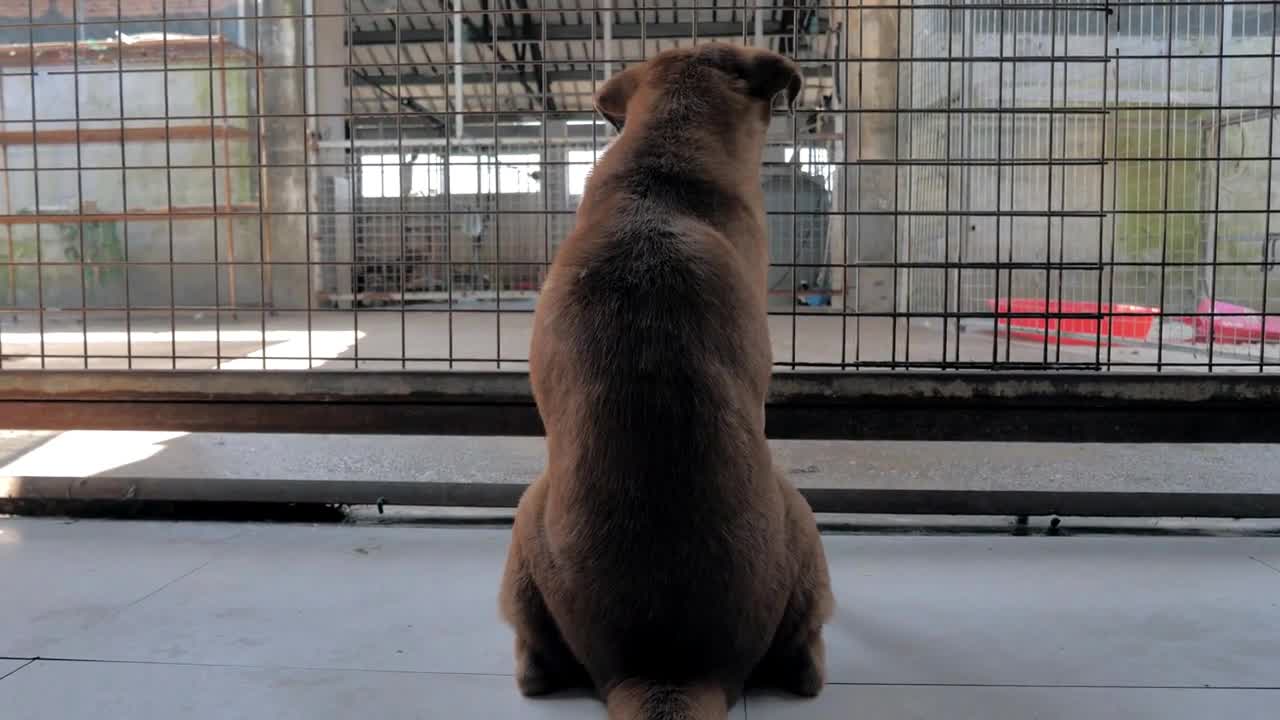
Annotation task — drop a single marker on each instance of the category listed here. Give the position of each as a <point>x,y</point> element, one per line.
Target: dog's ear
<point>765,73</point>
<point>611,99</point>
<point>768,74</point>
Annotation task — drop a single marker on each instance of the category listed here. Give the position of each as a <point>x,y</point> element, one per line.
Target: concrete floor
<point>478,334</point>
<point>159,620</point>
<point>941,465</point>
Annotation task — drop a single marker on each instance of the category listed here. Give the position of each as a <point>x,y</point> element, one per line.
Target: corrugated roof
<point>522,56</point>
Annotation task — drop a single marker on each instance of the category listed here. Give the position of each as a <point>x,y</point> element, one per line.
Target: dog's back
<point>663,475</point>
<point>656,317</point>
<point>660,542</point>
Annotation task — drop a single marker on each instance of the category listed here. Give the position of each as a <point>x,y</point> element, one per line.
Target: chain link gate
<point>1056,215</point>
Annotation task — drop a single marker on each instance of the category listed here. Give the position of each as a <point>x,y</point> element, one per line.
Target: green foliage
<point>23,246</point>
<point>1152,183</point>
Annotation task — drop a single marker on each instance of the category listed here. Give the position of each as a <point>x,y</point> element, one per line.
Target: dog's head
<point>728,79</point>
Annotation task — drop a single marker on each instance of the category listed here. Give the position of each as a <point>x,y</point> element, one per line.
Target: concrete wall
<point>1140,181</point>
<point>110,176</point>
<point>155,176</point>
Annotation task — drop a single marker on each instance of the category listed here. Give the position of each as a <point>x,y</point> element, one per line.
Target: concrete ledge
<point>1040,406</point>
<point>124,495</point>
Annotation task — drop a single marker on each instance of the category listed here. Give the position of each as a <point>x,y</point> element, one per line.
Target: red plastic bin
<point>1232,324</point>
<point>1108,322</point>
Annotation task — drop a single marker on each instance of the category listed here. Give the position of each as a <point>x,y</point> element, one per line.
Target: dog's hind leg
<point>544,663</point>
<point>796,660</point>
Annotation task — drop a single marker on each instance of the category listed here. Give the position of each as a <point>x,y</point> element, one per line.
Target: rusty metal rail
<point>1042,407</point>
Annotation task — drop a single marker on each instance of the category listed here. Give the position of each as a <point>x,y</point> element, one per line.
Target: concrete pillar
<point>331,184</point>
<point>872,32</point>
<point>280,96</point>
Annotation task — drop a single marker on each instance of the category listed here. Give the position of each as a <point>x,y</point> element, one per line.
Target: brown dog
<point>660,558</point>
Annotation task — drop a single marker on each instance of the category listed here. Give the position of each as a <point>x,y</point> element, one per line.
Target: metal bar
<point>1167,185</point>
<point>1048,200</point>
<point>448,195</point>
<point>1115,186</point>
<point>921,406</point>
<point>459,55</point>
<point>609,51</point>
<point>115,135</point>
<point>898,222</point>
<point>213,173</point>
<point>795,182</point>
<point>355,179</point>
<point>1266,233</point>
<point>11,288</point>
<point>1105,25</point>
<point>583,113</point>
<point>496,181</point>
<point>80,201</point>
<point>264,186</point>
<point>228,198</point>
<point>309,89</point>
<point>405,186</point>
<point>60,494</point>
<point>544,186</point>
<point>1213,229</point>
<point>124,183</point>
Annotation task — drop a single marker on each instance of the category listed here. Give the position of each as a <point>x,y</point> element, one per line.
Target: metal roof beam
<point>483,78</point>
<point>563,33</point>
<point>479,78</point>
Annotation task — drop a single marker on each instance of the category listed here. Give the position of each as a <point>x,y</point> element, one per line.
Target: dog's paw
<point>805,675</point>
<point>534,680</point>
<point>808,682</point>
<point>533,684</point>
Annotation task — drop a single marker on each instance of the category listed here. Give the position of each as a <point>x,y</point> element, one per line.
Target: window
<point>427,178</point>
<point>379,176</point>
<point>468,175</point>
<point>1253,20</point>
<point>1132,18</point>
<point>580,164</point>
<point>814,161</point>
<point>520,173</point>
<point>474,174</point>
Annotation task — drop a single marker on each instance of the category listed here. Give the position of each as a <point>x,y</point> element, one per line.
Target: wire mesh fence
<point>377,184</point>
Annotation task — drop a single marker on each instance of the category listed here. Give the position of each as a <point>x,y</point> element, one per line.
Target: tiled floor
<point>204,621</point>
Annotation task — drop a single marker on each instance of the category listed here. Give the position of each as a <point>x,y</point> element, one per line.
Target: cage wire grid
<point>373,184</point>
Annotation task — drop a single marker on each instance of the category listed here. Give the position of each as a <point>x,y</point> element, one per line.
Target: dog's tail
<point>640,700</point>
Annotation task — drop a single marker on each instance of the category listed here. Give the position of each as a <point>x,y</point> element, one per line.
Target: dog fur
<point>661,559</point>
